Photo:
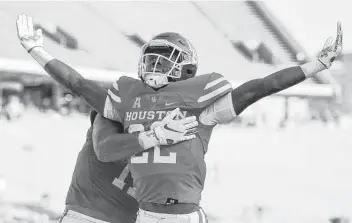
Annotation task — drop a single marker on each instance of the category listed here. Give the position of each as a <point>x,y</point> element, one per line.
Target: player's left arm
<point>232,104</point>
<point>33,42</point>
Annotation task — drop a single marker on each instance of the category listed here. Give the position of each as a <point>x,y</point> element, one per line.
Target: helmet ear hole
<point>188,71</point>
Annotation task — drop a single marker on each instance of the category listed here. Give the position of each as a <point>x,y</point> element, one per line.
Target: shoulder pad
<point>203,90</point>
<point>125,88</point>
<point>128,87</point>
<point>120,92</point>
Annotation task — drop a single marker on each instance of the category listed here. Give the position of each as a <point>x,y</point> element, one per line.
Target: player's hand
<point>170,131</point>
<point>28,37</point>
<point>331,48</point>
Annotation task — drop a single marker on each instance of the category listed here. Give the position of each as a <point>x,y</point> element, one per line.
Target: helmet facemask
<point>162,61</point>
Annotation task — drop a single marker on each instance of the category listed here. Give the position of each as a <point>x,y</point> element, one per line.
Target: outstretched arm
<point>225,109</point>
<point>32,41</point>
<point>253,90</point>
<point>232,104</point>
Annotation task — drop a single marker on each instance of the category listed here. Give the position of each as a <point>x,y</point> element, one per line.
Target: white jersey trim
<point>114,96</point>
<point>215,82</point>
<point>115,85</point>
<point>110,112</point>
<point>214,93</point>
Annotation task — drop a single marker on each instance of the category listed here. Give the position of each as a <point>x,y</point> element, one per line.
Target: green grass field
<point>296,174</point>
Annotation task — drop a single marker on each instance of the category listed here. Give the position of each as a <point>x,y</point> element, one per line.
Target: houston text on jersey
<point>151,115</point>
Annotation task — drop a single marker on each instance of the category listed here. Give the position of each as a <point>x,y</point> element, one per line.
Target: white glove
<point>169,131</point>
<point>173,131</point>
<point>27,35</point>
<point>331,49</point>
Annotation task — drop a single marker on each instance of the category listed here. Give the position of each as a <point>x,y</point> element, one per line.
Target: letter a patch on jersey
<point>137,103</point>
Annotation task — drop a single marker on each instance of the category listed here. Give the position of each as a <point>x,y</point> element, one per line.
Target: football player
<point>169,178</point>
<point>101,189</point>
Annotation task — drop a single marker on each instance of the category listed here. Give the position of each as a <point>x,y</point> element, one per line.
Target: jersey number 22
<point>171,158</point>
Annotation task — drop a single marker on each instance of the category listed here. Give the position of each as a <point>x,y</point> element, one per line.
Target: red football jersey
<point>101,190</point>
<point>176,172</point>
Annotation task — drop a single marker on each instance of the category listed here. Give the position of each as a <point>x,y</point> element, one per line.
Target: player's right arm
<point>231,105</point>
<point>110,145</point>
<point>32,40</point>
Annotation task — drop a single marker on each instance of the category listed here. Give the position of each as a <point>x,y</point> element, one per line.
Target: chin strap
<point>156,81</point>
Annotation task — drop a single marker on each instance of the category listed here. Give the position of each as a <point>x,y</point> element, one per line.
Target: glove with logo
<point>331,48</point>
<point>169,131</point>
<point>326,56</point>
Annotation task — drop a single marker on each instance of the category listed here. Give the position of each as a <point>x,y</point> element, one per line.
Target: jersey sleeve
<point>219,112</point>
<point>113,103</point>
<point>119,95</point>
<point>205,90</point>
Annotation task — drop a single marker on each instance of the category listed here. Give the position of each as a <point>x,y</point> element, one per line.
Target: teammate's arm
<point>32,41</point>
<point>232,104</point>
<point>110,145</point>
